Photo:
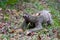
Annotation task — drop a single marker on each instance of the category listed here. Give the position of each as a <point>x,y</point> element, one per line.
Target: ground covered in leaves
<point>11,20</point>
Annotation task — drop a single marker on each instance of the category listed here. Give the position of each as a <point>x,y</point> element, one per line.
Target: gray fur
<point>43,17</point>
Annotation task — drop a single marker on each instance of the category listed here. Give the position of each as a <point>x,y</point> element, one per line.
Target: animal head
<point>26,16</point>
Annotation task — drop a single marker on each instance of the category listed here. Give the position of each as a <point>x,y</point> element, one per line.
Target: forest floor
<point>11,20</point>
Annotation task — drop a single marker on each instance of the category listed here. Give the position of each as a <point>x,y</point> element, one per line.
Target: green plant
<point>5,37</point>
<point>6,17</point>
<point>5,3</point>
<point>38,6</point>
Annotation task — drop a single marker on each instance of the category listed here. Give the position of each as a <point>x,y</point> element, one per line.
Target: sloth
<point>42,17</point>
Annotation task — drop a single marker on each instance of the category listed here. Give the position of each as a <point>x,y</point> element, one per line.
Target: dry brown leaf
<point>19,30</point>
<point>2,24</point>
<point>54,30</point>
<point>12,31</point>
<point>58,35</point>
<point>39,38</point>
<point>15,12</point>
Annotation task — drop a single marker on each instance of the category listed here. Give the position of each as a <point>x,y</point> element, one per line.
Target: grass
<point>51,6</point>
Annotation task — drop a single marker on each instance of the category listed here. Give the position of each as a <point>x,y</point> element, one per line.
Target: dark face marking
<point>26,16</point>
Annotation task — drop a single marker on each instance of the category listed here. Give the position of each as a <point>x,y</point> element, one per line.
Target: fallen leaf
<point>39,38</point>
<point>19,30</point>
<point>58,35</point>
